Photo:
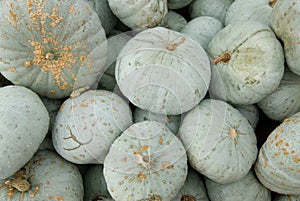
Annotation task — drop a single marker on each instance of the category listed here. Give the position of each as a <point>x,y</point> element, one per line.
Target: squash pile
<point>149,100</point>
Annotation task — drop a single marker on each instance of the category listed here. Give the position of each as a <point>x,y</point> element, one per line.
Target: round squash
<point>94,183</point>
<point>163,71</point>
<point>212,8</point>
<point>193,188</point>
<point>247,63</point>
<point>45,177</point>
<point>243,10</point>
<point>140,14</point>
<point>175,21</point>
<point>285,100</point>
<point>86,126</point>
<point>107,18</point>
<point>172,121</point>
<point>277,166</point>
<point>247,188</point>
<point>219,140</point>
<point>202,29</point>
<point>24,122</point>
<point>285,21</point>
<point>147,162</point>
<point>51,46</point>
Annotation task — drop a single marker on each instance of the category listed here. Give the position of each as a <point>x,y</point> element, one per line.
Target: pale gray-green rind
<point>55,178</point>
<point>247,188</point>
<point>285,22</point>
<point>285,100</point>
<point>127,179</point>
<point>211,149</point>
<point>24,122</point>
<point>277,166</point>
<point>255,67</point>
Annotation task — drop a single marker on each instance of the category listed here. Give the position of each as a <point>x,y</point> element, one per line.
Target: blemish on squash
<point>233,134</point>
<point>142,175</point>
<point>144,148</point>
<point>224,58</point>
<point>172,45</point>
<point>187,198</point>
<point>280,142</point>
<point>296,158</point>
<point>12,70</point>
<point>272,3</point>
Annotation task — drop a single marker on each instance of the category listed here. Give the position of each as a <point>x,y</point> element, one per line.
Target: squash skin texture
<point>277,166</point>
<point>220,142</point>
<point>163,71</point>
<point>147,162</point>
<point>50,178</point>
<point>86,126</point>
<point>247,188</point>
<point>285,22</point>
<point>247,63</point>
<point>50,46</point>
<point>23,127</point>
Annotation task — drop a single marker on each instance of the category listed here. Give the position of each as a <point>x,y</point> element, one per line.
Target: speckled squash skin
<point>279,197</point>
<point>51,178</point>
<point>202,29</point>
<point>107,18</point>
<point>212,8</point>
<point>247,63</point>
<point>247,188</point>
<point>177,4</point>
<point>172,121</point>
<point>94,183</point>
<point>251,112</point>
<point>147,162</point>
<point>257,10</point>
<point>278,163</point>
<point>285,100</point>
<point>163,71</point>
<point>285,22</point>
<point>193,188</point>
<point>174,21</point>
<point>86,126</point>
<point>140,14</point>
<point>51,46</point>
<point>219,140</point>
<point>23,127</point>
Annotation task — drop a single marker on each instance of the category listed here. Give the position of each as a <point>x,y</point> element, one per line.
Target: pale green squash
<point>285,22</point>
<point>247,188</point>
<point>147,162</point>
<point>163,71</point>
<point>220,142</point>
<point>278,163</point>
<point>247,63</point>
<point>48,177</point>
<point>51,46</point>
<point>24,122</point>
<point>285,100</point>
<point>86,126</point>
